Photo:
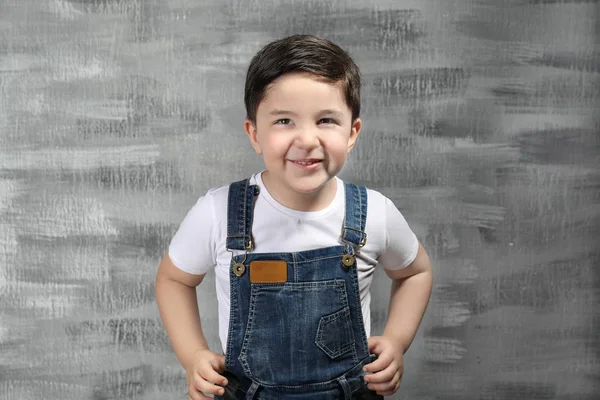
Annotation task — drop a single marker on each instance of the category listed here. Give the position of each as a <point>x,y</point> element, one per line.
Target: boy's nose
<point>307,138</point>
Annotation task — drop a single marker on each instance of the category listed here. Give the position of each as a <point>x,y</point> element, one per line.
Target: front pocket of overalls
<point>334,334</point>
<point>284,320</point>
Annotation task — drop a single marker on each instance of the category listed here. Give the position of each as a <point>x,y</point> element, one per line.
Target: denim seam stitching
<point>249,325</point>
<point>344,313</point>
<point>294,264</point>
<point>363,209</point>
<point>348,326</point>
<point>354,279</point>
<point>318,384</point>
<point>243,204</point>
<point>318,259</point>
<point>232,307</point>
<point>338,284</point>
<point>354,355</point>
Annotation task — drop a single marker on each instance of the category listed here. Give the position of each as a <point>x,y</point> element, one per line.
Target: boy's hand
<point>387,368</point>
<point>203,372</point>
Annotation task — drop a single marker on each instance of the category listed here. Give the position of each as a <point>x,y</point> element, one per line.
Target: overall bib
<point>296,329</point>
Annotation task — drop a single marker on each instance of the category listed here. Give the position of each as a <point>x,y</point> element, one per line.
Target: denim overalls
<point>296,329</point>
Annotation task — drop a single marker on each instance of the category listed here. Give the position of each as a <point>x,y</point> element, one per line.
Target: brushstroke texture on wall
<point>481,123</point>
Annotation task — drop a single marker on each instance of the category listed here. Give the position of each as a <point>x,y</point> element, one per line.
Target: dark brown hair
<point>301,53</point>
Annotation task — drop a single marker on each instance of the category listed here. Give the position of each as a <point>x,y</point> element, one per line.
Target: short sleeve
<point>401,244</point>
<point>192,248</point>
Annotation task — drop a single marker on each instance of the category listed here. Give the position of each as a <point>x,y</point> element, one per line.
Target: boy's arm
<point>411,289</point>
<point>178,307</point>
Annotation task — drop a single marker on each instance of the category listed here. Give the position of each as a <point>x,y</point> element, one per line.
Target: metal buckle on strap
<point>247,247</point>
<point>362,242</point>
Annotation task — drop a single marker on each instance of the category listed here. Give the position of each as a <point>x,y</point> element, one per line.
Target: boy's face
<point>304,130</point>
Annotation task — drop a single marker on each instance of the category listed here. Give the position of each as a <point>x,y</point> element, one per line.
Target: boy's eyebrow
<point>335,113</point>
<point>281,112</point>
<point>276,112</point>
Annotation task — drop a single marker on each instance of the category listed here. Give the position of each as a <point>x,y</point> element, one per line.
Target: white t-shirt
<point>199,244</point>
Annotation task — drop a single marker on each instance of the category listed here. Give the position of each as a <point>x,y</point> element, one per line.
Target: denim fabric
<point>237,388</point>
<point>303,338</point>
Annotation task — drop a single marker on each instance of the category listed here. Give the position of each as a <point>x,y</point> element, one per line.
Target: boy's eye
<point>328,121</point>
<point>283,121</point>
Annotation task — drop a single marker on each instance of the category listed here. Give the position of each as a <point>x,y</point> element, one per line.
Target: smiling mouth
<point>306,162</point>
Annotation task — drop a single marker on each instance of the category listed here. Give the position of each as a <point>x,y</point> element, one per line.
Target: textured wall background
<point>481,123</point>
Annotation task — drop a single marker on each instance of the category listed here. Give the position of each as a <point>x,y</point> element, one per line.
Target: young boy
<point>294,249</point>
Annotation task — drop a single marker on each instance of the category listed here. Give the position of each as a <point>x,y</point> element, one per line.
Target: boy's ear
<point>250,129</point>
<point>354,133</point>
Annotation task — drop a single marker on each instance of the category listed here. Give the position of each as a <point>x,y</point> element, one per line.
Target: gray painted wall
<point>481,123</point>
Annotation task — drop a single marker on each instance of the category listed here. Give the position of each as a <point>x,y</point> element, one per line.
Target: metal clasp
<point>247,247</point>
<point>362,242</point>
<point>239,268</point>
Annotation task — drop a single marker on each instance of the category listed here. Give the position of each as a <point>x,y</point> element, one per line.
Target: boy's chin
<point>308,186</point>
<point>302,184</point>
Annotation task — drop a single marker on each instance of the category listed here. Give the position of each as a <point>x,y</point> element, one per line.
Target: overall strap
<point>353,231</point>
<point>240,207</point>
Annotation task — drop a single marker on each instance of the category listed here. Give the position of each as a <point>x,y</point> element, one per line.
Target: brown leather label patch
<point>268,271</point>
